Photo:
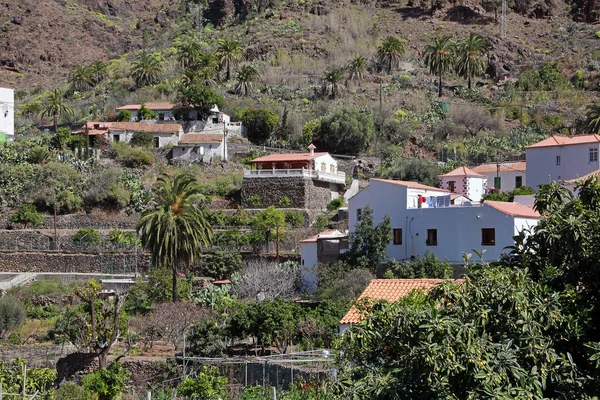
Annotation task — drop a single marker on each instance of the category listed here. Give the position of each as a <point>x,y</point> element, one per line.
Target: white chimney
<point>311,148</point>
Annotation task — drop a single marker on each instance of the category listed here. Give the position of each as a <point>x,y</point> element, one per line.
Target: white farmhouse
<point>7,114</point>
<point>562,158</point>
<point>163,110</point>
<point>464,181</point>
<point>206,147</point>
<point>423,219</point>
<point>325,247</point>
<point>163,134</point>
<point>506,176</point>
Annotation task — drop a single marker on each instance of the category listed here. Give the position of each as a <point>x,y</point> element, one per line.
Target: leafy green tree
<point>422,170</point>
<point>429,266</point>
<point>368,242</point>
<point>199,98</point>
<point>440,57</point>
<point>499,334</point>
<point>220,264</point>
<point>61,138</point>
<point>87,237</point>
<point>356,68</point>
<point>259,124</point>
<point>346,130</point>
<point>145,113</point>
<point>188,53</point>
<point>79,79</point>
<point>592,117</point>
<point>98,71</point>
<point>106,190</point>
<point>175,229</point>
<point>40,380</point>
<point>332,83</point>
<point>209,384</point>
<point>273,322</point>
<point>147,69</point>
<point>11,315</point>
<point>547,78</point>
<point>124,116</point>
<point>202,77</point>
<point>27,214</point>
<point>30,110</point>
<point>469,60</point>
<point>270,223</point>
<point>142,139</point>
<point>389,52</point>
<point>207,339</point>
<point>245,80</point>
<point>55,106</point>
<point>228,52</point>
<point>107,383</point>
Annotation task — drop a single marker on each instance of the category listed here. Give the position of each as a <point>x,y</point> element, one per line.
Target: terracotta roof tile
<point>331,233</point>
<point>584,177</point>
<point>514,209</point>
<point>103,127</point>
<point>410,184</point>
<point>288,157</point>
<point>160,105</point>
<point>390,290</point>
<point>556,140</point>
<point>201,138</point>
<point>519,166</point>
<point>462,171</point>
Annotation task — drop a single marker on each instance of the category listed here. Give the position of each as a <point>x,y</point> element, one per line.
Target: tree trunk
<point>103,359</point>
<point>175,287</point>
<point>440,86</point>
<point>469,81</point>
<point>55,122</point>
<point>390,66</point>
<point>228,70</point>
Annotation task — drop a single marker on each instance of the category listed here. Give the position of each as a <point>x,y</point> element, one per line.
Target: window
<point>397,236</point>
<point>215,120</point>
<point>593,154</point>
<point>557,160</point>
<point>451,186</point>
<point>332,169</point>
<point>156,142</point>
<point>431,237</point>
<point>359,214</point>
<point>518,181</point>
<point>488,236</point>
<point>323,167</point>
<point>497,183</point>
<point>116,138</point>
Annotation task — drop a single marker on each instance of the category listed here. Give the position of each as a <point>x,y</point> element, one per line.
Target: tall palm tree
<point>80,79</point>
<point>245,80</point>
<point>439,57</point>
<point>147,69</point>
<point>356,68</point>
<point>470,60</point>
<point>55,106</point>
<point>592,117</point>
<point>229,52</point>
<point>202,76</point>
<point>332,85</point>
<point>175,229</point>
<point>188,53</point>
<point>389,51</point>
<point>98,72</point>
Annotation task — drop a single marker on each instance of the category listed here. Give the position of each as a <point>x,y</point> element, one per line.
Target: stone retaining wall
<point>96,220</point>
<point>302,192</point>
<point>72,262</point>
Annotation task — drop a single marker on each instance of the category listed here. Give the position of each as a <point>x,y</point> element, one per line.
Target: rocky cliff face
<point>40,40</point>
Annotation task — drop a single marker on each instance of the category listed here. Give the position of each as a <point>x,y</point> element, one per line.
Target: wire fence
<point>37,357</point>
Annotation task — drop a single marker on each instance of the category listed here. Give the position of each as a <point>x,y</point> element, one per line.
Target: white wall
<point>189,152</point>
<point>575,162</point>
<point>308,269</point>
<point>508,180</point>
<point>475,188</point>
<point>7,112</point>
<point>164,139</point>
<point>326,163</point>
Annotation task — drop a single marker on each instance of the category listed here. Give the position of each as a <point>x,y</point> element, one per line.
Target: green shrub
<point>294,218</point>
<point>106,190</point>
<point>285,201</point>
<point>27,214</point>
<point>209,384</point>
<point>346,130</point>
<point>335,204</point>
<point>11,315</point>
<point>322,222</point>
<point>123,239</point>
<point>124,116</point>
<point>145,113</point>
<point>207,339</point>
<point>87,237</point>
<point>131,157</point>
<point>107,383</point>
<point>142,139</point>
<point>221,264</point>
<point>259,123</point>
<point>70,391</point>
<point>254,201</point>
<point>430,266</point>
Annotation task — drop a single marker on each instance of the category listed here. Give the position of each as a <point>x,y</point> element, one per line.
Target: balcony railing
<point>339,177</point>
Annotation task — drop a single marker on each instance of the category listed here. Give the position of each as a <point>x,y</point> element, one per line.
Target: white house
<point>325,247</point>
<point>506,176</point>
<point>163,110</point>
<point>562,158</point>
<point>163,134</point>
<point>423,219</point>
<point>7,114</point>
<point>464,181</point>
<point>193,146</point>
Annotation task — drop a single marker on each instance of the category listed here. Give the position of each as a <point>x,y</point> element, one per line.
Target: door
<point>156,142</point>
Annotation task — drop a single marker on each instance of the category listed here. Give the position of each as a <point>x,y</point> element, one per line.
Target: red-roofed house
<point>325,248</point>
<point>163,134</point>
<point>506,176</point>
<point>307,179</point>
<point>205,146</point>
<point>562,158</point>
<point>424,219</point>
<point>390,290</point>
<point>465,181</point>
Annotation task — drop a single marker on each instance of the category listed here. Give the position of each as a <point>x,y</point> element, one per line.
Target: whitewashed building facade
<point>505,176</point>
<point>7,114</point>
<point>464,181</point>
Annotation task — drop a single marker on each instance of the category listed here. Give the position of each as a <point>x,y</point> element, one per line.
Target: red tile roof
<point>514,209</point>
<point>161,105</point>
<point>390,290</point>
<point>288,157</point>
<point>142,127</point>
<point>519,166</point>
<point>455,196</point>
<point>410,184</point>
<point>462,171</point>
<point>556,140</point>
<point>200,138</point>
<point>330,234</point>
<point>584,177</point>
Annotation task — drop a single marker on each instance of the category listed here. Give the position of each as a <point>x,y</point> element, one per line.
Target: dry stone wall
<point>71,262</point>
<point>302,192</point>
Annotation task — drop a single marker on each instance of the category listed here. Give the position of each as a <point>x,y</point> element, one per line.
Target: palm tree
<point>356,68</point>
<point>79,79</point>
<point>176,228</point>
<point>203,76</point>
<point>439,57</point>
<point>98,72</point>
<point>30,110</point>
<point>245,80</point>
<point>147,69</point>
<point>592,117</point>
<point>389,51</point>
<point>229,52</point>
<point>188,53</point>
<point>332,86</point>
<point>470,62</point>
<point>56,106</point>
<point>39,155</point>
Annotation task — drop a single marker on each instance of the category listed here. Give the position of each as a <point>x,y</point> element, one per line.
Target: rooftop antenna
<point>503,20</point>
